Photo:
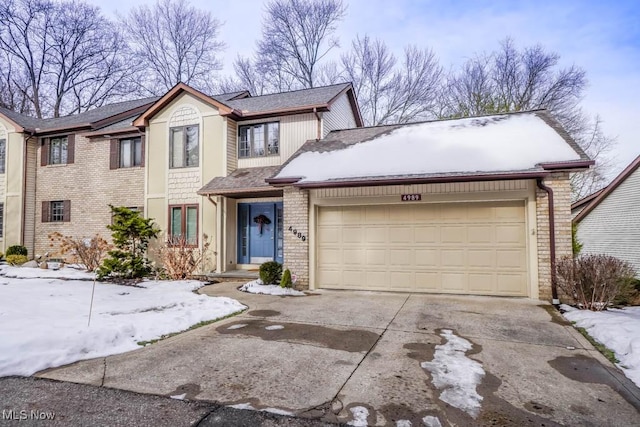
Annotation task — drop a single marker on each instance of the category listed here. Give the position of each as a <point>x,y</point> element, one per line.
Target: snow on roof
<point>511,142</point>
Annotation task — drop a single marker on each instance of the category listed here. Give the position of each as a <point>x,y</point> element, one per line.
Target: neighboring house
<point>610,223</point>
<point>454,206</point>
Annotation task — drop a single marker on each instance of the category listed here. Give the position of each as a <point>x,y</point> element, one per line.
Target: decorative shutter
<point>44,152</point>
<point>142,147</point>
<point>114,154</point>
<point>45,211</point>
<point>66,210</point>
<point>71,148</point>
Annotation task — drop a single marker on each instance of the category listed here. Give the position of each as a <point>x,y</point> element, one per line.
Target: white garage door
<point>462,248</point>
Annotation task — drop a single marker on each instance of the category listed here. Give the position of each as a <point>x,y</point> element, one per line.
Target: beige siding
<point>232,146</point>
<point>14,190</point>
<point>294,131</point>
<point>339,117</point>
<point>30,196</point>
<point>613,227</point>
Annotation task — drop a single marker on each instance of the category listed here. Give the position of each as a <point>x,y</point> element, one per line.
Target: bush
<point>270,272</point>
<point>82,250</point>
<point>180,259</point>
<point>286,279</point>
<point>575,243</point>
<point>17,259</point>
<point>1,255</point>
<point>131,234</point>
<point>16,250</point>
<point>594,281</point>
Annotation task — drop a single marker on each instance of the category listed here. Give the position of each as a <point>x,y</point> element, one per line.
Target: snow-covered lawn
<point>43,318</point>
<point>256,287</point>
<point>618,330</point>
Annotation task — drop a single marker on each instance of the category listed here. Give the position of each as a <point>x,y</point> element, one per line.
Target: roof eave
<point>573,164</point>
<point>120,116</point>
<point>239,115</point>
<point>608,189</point>
<point>61,129</point>
<point>128,129</point>
<point>18,127</point>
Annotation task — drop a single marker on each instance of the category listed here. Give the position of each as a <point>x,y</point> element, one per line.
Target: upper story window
<point>127,152</point>
<point>262,139</point>
<point>3,154</point>
<point>184,147</point>
<point>58,150</point>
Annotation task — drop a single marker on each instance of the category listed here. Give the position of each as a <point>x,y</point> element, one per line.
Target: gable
<point>184,103</point>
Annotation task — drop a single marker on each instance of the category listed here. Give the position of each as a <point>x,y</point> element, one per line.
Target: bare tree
<point>388,91</point>
<point>12,81</point>
<point>174,42</point>
<point>296,36</point>
<point>510,80</point>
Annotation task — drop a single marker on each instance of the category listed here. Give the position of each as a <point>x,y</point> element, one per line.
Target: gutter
<point>319,132</point>
<point>552,241</point>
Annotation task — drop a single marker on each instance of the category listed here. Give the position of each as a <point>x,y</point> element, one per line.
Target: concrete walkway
<point>337,355</point>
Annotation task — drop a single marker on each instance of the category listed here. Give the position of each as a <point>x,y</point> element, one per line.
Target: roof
<point>241,183</point>
<point>633,166</point>
<point>224,97</point>
<point>585,200</point>
<point>93,118</point>
<point>505,146</point>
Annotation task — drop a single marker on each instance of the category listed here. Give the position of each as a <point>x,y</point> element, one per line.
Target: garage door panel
<point>476,248</point>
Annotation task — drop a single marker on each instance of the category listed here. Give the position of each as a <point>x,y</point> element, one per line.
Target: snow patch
<point>403,423</point>
<point>256,287</point>
<point>276,411</point>
<point>65,273</point>
<point>45,320</point>
<point>238,326</point>
<point>456,374</point>
<point>179,396</point>
<point>431,421</point>
<point>274,327</point>
<point>485,144</point>
<point>617,329</point>
<point>360,414</point>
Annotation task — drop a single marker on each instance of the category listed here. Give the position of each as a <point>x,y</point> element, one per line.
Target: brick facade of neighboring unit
<point>296,249</point>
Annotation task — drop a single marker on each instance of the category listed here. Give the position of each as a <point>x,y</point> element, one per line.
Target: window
<point>56,211</point>
<point>3,154</point>
<point>57,150</point>
<point>184,149</point>
<point>257,140</point>
<point>183,224</point>
<point>130,152</point>
<point>1,220</point>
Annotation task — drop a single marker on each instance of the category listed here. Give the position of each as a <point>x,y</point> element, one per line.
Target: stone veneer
<point>561,185</point>
<point>90,186</point>
<point>295,203</point>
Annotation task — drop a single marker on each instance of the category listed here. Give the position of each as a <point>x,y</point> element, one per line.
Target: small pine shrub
<point>270,272</point>
<point>16,250</point>
<point>1,255</point>
<point>286,279</point>
<point>17,259</point>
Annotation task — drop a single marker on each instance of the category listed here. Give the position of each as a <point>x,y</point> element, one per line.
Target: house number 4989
<point>298,234</point>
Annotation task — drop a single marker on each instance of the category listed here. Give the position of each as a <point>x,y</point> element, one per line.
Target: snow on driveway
<point>43,321</point>
<point>617,329</point>
<point>256,287</point>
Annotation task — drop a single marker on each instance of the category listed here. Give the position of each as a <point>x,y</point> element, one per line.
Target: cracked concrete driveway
<point>356,356</point>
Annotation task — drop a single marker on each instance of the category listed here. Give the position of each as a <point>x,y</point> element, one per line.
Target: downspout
<point>218,232</point>
<point>552,241</point>
<point>319,132</point>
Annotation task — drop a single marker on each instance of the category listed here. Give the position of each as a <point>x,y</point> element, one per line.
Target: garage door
<point>462,248</point>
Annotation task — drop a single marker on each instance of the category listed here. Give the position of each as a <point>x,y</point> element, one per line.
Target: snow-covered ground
<point>43,318</point>
<point>256,287</point>
<point>617,329</point>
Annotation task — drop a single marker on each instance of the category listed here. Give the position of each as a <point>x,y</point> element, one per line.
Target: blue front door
<point>259,232</point>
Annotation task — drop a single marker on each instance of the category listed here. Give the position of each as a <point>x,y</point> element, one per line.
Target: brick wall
<point>296,251</point>
<point>90,186</point>
<point>561,186</point>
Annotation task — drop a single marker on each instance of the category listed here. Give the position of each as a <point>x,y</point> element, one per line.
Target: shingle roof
<point>523,143</point>
<point>20,119</point>
<point>224,97</point>
<point>288,100</point>
<point>240,181</point>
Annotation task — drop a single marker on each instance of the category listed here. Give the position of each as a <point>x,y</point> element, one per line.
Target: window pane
<point>63,150</point>
<point>125,153</point>
<point>3,155</point>
<point>137,155</point>
<point>176,222</point>
<point>54,157</point>
<point>274,137</point>
<point>57,211</point>
<point>177,148</point>
<point>243,141</point>
<point>258,140</point>
<point>192,151</point>
<point>192,225</point>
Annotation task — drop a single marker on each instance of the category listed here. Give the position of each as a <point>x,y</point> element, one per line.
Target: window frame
<point>185,164</point>
<point>3,155</point>
<point>183,223</point>
<point>62,141</point>
<point>136,140</point>
<point>251,140</point>
<point>56,211</point>
<point>1,220</point>
<point>47,214</point>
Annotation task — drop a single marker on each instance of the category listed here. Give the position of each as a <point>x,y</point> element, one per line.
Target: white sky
<point>601,37</point>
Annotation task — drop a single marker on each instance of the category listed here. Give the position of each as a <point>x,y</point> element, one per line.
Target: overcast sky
<point>602,38</point>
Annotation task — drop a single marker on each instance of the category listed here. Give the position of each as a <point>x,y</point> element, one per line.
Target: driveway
<point>343,356</point>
